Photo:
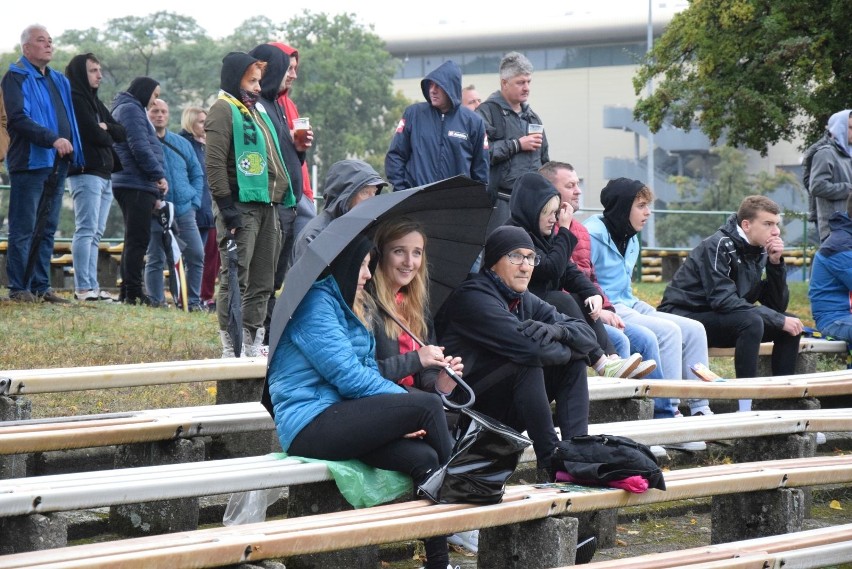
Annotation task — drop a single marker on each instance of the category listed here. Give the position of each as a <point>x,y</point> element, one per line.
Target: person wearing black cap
<point>248,179</point>
<point>519,352</point>
<point>140,183</point>
<point>333,404</point>
<point>615,249</point>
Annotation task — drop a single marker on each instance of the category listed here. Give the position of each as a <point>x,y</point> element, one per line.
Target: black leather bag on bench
<point>485,455</point>
<point>600,459</point>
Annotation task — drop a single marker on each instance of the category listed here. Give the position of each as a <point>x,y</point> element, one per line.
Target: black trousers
<point>572,305</point>
<point>371,429</point>
<point>522,401</point>
<point>745,330</point>
<point>137,206</point>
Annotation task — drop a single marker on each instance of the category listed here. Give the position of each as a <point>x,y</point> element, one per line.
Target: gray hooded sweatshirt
<point>831,173</point>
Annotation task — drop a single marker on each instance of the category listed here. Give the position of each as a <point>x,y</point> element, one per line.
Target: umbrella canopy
<point>454,214</point>
<point>235,304</point>
<point>171,245</point>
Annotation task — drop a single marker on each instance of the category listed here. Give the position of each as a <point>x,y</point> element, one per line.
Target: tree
<point>728,184</point>
<point>344,85</point>
<point>753,71</point>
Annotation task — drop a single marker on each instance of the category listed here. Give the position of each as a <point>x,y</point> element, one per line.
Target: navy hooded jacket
<point>429,145</point>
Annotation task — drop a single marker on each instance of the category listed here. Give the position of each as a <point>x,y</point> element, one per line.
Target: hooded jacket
<point>277,63</point>
<point>830,289</point>
<point>831,172</point>
<point>556,271</point>
<point>32,118</point>
<point>292,112</point>
<point>204,215</point>
<point>615,245</point>
<point>141,154</point>
<point>98,154</point>
<point>477,324</point>
<point>723,274</point>
<point>429,145</point>
<point>344,179</point>
<point>505,127</point>
<point>184,174</point>
<point>221,161</point>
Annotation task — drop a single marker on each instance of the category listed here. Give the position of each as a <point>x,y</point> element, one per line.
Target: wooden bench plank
<point>386,524</point>
<point>810,345</point>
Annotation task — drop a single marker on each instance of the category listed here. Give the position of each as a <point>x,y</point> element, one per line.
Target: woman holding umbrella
<point>333,404</point>
<point>400,288</point>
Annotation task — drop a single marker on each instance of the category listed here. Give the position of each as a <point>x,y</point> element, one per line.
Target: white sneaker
<point>87,295</point>
<point>467,539</point>
<point>701,411</point>
<point>658,451</point>
<point>820,438</point>
<point>644,368</point>
<point>621,368</point>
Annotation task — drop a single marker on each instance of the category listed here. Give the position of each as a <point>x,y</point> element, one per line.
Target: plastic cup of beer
<point>301,126</point>
<point>535,128</point>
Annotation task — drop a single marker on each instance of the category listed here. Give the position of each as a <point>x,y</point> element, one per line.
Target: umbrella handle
<point>455,377</point>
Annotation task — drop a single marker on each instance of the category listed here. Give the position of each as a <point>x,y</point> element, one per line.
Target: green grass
<point>51,336</point>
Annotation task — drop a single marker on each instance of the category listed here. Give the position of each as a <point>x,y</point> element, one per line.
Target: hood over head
<point>346,267</point>
<point>448,77</point>
<point>78,75</point>
<point>343,180</point>
<point>529,195</point>
<point>838,126</point>
<point>617,199</point>
<point>234,66</point>
<point>292,53</point>
<point>277,63</point>
<point>141,89</point>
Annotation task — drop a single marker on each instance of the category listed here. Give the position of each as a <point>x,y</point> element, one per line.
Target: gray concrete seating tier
<point>42,494</point>
<point>806,549</point>
<point>416,519</point>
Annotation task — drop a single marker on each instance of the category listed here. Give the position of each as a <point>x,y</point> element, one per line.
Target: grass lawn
<point>50,336</point>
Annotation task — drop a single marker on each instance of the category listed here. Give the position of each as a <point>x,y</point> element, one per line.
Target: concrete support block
<point>237,445</point>
<point>66,461</point>
<point>805,363</point>
<point>323,498</point>
<point>108,270</point>
<point>14,408</point>
<point>612,410</point>
<point>751,515</point>
<point>537,544</point>
<point>803,404</point>
<point>163,516</point>
<point>32,533</point>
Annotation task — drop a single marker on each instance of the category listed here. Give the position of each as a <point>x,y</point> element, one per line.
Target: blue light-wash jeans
<point>193,259</point>
<point>27,188</point>
<point>682,342</point>
<point>92,199</point>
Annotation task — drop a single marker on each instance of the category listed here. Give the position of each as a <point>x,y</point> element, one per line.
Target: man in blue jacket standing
<point>43,131</point>
<point>186,183</point>
<point>437,139</point>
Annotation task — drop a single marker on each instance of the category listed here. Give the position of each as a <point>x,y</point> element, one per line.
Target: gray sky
<point>60,15</point>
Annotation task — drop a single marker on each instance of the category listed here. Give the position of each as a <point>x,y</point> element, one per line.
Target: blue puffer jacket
<point>429,145</point>
<point>184,174</point>
<point>830,290</point>
<point>325,356</point>
<point>612,269</point>
<point>142,154</point>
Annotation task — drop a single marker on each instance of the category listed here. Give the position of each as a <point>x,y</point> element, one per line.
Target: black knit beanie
<point>142,88</point>
<point>504,240</point>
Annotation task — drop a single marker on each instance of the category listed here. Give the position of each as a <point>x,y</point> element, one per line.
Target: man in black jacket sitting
<point>519,352</point>
<point>721,285</point>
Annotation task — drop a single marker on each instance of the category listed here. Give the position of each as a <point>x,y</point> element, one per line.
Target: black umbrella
<point>235,303</point>
<point>45,202</point>
<point>454,214</point>
<point>172,246</point>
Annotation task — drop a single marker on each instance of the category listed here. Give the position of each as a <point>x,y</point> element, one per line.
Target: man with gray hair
<point>515,136</point>
<point>44,140</point>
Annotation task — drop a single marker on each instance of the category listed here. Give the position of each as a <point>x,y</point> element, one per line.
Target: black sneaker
<point>52,297</point>
<point>22,296</point>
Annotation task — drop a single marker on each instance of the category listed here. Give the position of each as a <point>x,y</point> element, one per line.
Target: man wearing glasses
<point>519,352</point>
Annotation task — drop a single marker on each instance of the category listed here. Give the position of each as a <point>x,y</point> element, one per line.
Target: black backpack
<point>599,459</point>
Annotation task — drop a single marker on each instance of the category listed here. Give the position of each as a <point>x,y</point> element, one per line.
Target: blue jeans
<point>840,329</point>
<point>619,341</point>
<point>27,189</point>
<point>193,258</point>
<point>92,199</point>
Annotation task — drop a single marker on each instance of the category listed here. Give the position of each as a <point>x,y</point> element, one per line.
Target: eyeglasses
<point>531,259</point>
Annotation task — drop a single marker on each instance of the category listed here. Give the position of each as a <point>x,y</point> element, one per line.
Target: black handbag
<point>484,456</point>
<point>599,459</point>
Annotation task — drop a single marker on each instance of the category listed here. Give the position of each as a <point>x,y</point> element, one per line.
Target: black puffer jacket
<point>556,271</point>
<point>723,274</point>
